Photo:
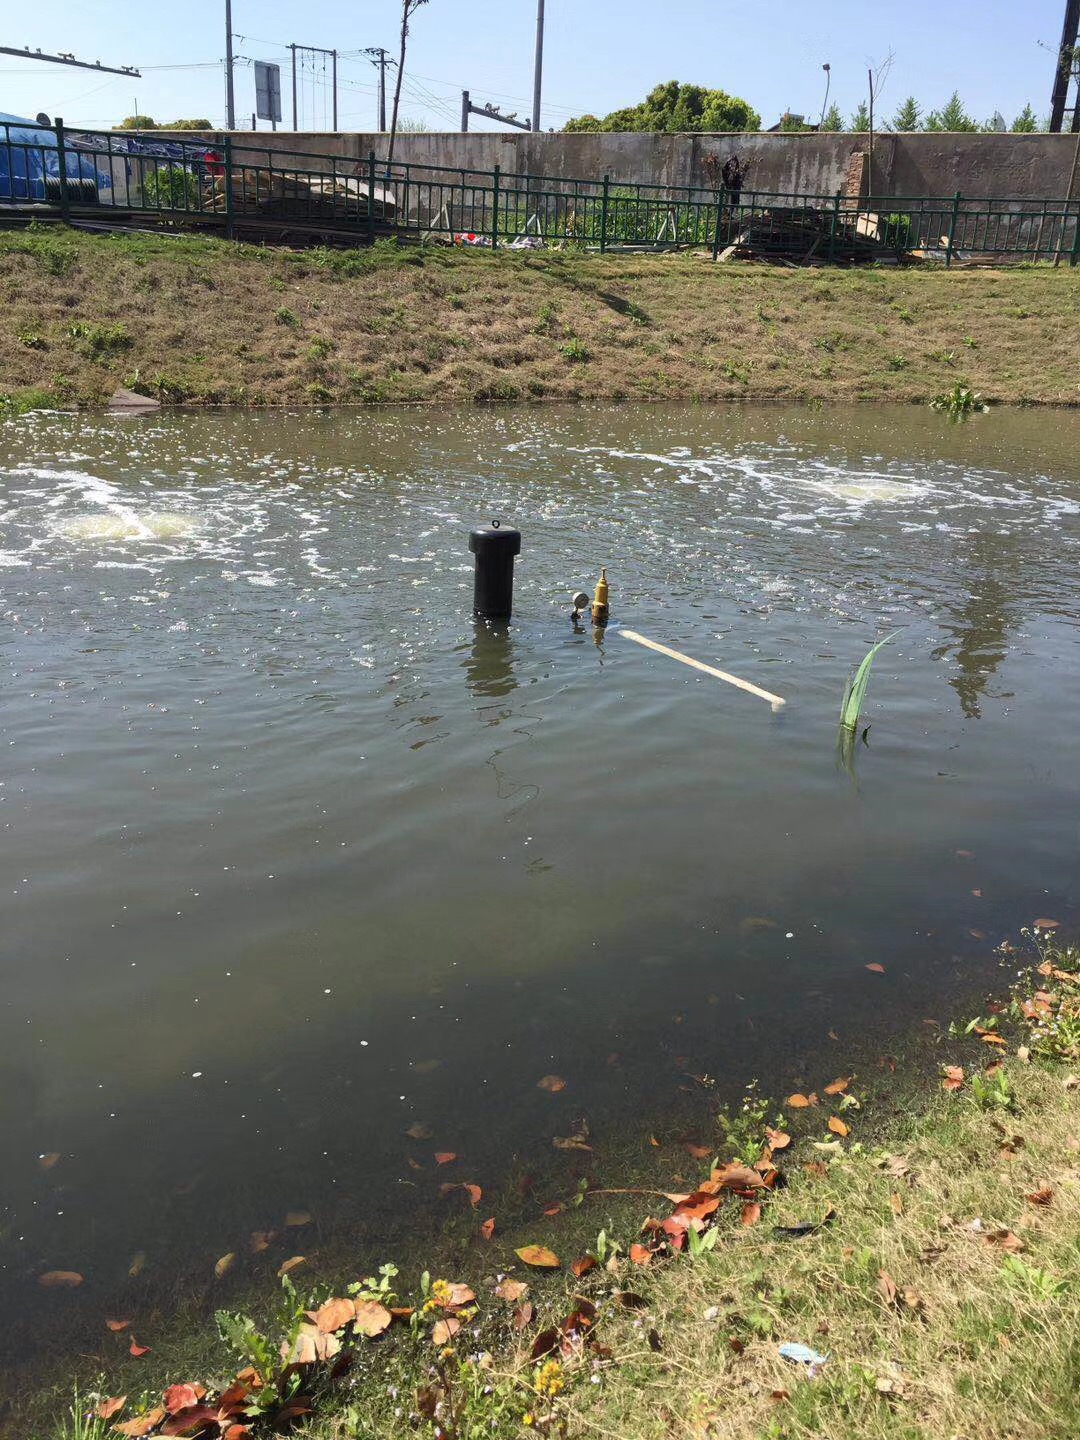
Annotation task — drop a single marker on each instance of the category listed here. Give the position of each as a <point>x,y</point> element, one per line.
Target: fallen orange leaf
<point>49,1160</point>
<point>1042,1196</point>
<point>837,1126</point>
<point>290,1264</point>
<point>225,1264</point>
<point>142,1424</point>
<point>333,1315</point>
<point>896,1203</point>
<point>511,1290</point>
<point>538,1256</point>
<point>555,1208</point>
<point>583,1266</point>
<point>136,1349</point>
<point>887,1287</point>
<point>444,1157</point>
<point>796,1102</point>
<point>60,1279</point>
<point>419,1131</point>
<point>552,1084</point>
<point>371,1318</point>
<point>445,1330</point>
<point>260,1240</point>
<point>117,1325</point>
<point>640,1255</point>
<point>487,1228</point>
<point>876,968</point>
<point>778,1139</point>
<point>180,1397</point>
<point>699,1152</point>
<point>954,1077</point>
<point>839,1086</point>
<point>1047,924</point>
<point>751,1213</point>
<point>111,1405</point>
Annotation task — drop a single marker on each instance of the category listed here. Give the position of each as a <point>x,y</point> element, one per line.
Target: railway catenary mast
<point>1067,66</point>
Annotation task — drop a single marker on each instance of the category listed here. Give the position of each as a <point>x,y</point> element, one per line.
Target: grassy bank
<point>929,1253</point>
<point>203,321</point>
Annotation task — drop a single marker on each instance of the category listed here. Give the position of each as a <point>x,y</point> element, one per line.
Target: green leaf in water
<point>855,690</point>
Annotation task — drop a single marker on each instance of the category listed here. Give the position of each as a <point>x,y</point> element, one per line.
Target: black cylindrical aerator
<point>493,587</point>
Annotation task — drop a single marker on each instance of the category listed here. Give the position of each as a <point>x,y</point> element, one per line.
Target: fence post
<point>228,188</point>
<point>65,204</point>
<point>833,225</point>
<point>717,223</point>
<point>952,229</point>
<point>371,196</point>
<point>1074,256</point>
<point>495,208</point>
<point>604,196</point>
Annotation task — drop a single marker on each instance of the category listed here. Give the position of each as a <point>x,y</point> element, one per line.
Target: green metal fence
<point>242,187</point>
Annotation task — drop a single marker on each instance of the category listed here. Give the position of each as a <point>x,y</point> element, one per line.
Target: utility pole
<point>538,68</point>
<point>380,58</point>
<point>293,49</point>
<point>333,54</point>
<point>1063,71</point>
<point>230,99</point>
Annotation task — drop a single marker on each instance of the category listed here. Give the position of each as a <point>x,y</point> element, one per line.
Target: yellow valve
<point>600,599</point>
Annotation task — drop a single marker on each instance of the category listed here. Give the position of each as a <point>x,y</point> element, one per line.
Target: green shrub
<point>170,187</point>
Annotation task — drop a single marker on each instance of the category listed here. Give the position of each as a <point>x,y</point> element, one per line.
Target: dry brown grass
<point>203,321</point>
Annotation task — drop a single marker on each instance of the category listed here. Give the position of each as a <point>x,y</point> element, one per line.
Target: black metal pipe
<point>495,547</point>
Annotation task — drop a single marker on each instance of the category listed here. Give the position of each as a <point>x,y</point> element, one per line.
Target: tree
<point>673,108</point>
<point>908,116</point>
<point>137,122</point>
<point>187,125</point>
<point>832,120</point>
<point>951,117</point>
<point>793,124</point>
<point>1025,123</point>
<point>860,121</point>
<point>408,10</point>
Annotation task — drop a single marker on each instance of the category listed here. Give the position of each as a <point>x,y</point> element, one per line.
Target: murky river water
<point>295,856</point>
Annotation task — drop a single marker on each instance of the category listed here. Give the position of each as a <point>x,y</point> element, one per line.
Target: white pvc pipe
<point>776,701</point>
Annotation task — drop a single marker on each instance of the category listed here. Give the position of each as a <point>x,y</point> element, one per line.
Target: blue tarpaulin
<point>27,154</point>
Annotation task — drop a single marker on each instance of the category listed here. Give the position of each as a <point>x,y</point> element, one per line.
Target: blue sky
<point>599,54</point>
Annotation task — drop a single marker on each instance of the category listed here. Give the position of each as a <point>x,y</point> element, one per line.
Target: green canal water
<point>296,855</point>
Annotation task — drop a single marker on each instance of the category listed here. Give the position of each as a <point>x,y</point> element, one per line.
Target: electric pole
<point>380,58</point>
<point>538,71</point>
<point>230,100</point>
<point>1066,65</point>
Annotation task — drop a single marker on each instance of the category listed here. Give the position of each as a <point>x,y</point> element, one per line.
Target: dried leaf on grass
<point>538,1256</point>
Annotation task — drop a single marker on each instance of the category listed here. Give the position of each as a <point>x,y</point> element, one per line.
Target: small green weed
<point>959,402</point>
<point>284,316</point>
<point>993,1092</point>
<point>897,362</point>
<point>101,342</point>
<point>1031,1278</point>
<point>32,341</point>
<point>318,350</point>
<point>576,351</point>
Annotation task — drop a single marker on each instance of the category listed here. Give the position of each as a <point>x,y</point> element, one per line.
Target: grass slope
<point>204,321</point>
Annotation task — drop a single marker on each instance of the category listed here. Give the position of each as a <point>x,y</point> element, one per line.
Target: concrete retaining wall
<point>1013,167</point>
